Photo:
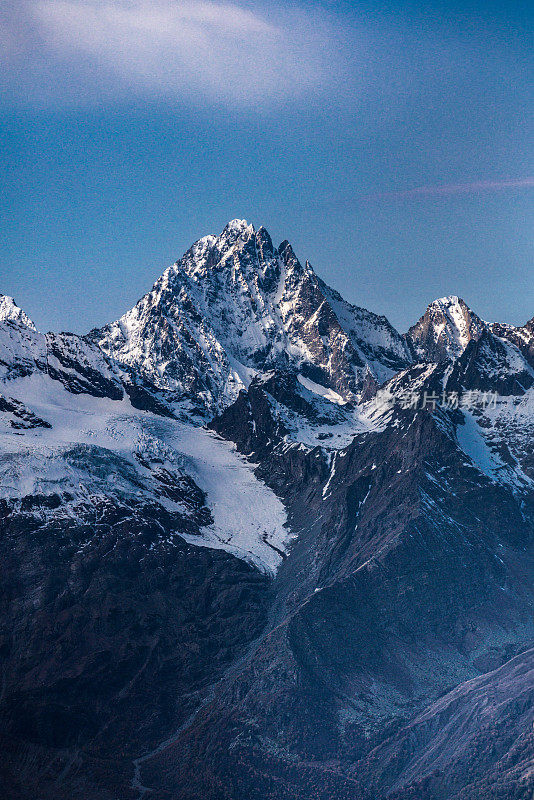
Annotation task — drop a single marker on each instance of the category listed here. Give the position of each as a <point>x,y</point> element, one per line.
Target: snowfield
<point>93,448</point>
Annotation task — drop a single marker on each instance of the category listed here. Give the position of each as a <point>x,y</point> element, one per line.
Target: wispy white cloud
<point>473,187</point>
<point>221,51</point>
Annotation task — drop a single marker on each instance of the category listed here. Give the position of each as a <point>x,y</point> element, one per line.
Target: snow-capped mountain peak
<point>445,330</point>
<point>11,312</point>
<point>233,307</point>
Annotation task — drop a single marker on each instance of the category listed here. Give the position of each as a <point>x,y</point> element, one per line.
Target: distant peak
<point>11,312</point>
<point>445,330</point>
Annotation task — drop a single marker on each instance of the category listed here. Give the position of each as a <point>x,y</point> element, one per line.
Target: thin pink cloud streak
<point>448,189</point>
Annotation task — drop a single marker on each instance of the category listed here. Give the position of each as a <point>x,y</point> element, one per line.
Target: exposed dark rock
<point>107,642</point>
<point>20,416</point>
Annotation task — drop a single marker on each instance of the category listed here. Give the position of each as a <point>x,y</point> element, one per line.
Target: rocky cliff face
<point>254,543</point>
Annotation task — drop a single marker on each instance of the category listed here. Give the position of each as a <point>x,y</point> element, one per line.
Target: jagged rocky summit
<point>240,561</point>
<point>234,307</point>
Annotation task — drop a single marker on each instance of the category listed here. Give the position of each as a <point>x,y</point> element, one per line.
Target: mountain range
<point>256,543</point>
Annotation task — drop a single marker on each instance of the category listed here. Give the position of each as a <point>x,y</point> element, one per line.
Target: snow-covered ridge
<point>10,312</point>
<point>72,360</point>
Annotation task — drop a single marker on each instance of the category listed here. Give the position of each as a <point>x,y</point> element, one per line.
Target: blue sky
<point>391,145</point>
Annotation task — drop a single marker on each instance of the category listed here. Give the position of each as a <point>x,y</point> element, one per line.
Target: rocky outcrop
<point>72,360</point>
